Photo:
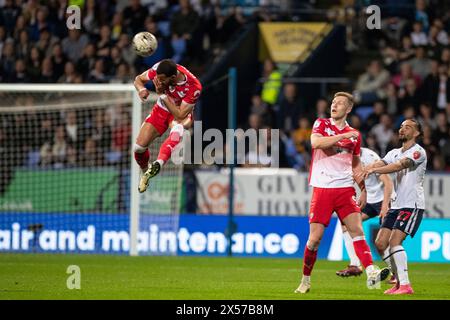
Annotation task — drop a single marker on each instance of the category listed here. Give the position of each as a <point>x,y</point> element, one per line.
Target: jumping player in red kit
<point>178,91</point>
<point>334,164</point>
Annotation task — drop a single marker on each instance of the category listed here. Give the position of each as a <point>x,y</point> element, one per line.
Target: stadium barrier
<point>286,192</point>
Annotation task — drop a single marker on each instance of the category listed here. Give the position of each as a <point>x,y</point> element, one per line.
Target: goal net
<point>68,181</point>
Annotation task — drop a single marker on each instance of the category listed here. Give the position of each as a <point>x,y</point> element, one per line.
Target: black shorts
<point>372,209</point>
<point>405,219</point>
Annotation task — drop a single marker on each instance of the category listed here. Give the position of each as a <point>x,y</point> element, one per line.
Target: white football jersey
<point>408,183</point>
<point>374,187</point>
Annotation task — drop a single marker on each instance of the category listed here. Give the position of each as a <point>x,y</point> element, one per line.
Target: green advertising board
<point>67,190</point>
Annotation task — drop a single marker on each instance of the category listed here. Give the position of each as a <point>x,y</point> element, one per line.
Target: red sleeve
<point>319,127</point>
<point>151,73</point>
<point>193,94</point>
<point>357,149</point>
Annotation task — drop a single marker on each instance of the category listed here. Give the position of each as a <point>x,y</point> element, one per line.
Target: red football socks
<point>362,250</point>
<point>309,258</point>
<point>142,158</point>
<point>168,145</point>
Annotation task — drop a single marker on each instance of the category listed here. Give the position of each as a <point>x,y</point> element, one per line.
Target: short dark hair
<point>418,125</point>
<point>167,67</point>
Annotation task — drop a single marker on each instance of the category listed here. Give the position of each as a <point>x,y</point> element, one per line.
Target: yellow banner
<point>290,41</point>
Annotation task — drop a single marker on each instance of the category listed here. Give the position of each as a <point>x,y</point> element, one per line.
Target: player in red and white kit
<point>335,161</point>
<point>178,91</point>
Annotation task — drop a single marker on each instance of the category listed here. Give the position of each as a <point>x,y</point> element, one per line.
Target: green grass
<point>43,276</point>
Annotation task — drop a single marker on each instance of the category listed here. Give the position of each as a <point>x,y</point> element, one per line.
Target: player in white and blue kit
<point>409,165</point>
<point>379,190</point>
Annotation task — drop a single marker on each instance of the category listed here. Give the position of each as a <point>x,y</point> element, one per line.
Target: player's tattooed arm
<point>402,164</point>
<point>407,163</point>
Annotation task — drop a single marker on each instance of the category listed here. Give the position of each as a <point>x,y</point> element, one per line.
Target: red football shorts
<point>160,119</point>
<point>325,201</point>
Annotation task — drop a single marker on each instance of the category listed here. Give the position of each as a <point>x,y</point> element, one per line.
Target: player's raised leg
<point>316,231</point>
<point>146,136</point>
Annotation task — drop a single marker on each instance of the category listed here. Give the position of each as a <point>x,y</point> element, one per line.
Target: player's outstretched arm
<point>404,163</point>
<point>320,142</point>
<point>139,84</point>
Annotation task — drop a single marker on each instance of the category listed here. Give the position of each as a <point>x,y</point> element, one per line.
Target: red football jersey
<point>332,167</point>
<point>188,91</point>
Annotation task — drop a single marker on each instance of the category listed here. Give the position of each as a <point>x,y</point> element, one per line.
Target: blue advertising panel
<point>431,243</point>
<point>254,236</point>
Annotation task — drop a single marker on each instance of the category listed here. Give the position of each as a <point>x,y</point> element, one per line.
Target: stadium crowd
<point>410,77</point>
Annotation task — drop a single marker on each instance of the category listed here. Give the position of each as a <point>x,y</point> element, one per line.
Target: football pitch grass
<point>43,276</point>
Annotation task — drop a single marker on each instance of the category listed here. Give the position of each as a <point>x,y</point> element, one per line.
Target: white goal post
<point>87,100</point>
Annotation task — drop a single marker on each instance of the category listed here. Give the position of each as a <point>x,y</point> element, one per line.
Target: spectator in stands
<point>46,42</point>
<point>101,132</point>
<point>430,83</point>
<point>23,48</point>
<point>90,16</point>
<point>374,118</point>
<point>289,109</point>
<point>391,58</point>
<point>59,60</point>
<point>20,73</point>
<point>97,75</point>
<point>262,109</point>
<point>441,133</point>
<point>428,145</point>
<point>47,75</point>
<point>92,156</point>
<point>73,130</point>
<point>87,61</point>
<point>121,134</point>
<point>383,132</point>
<point>70,74</point>
<point>134,16</point>
<point>39,23</point>
<point>8,15</point>
<point>55,153</point>
<point>74,44</point>
<point>321,110</point>
<point>301,136</point>
<point>418,36</point>
<point>401,78</point>
<point>407,49</point>
<point>105,43</point>
<point>425,117</point>
<point>128,53</point>
<point>122,75</point>
<point>421,14</point>
<point>420,64</point>
<point>445,56</point>
<point>440,91</point>
<point>370,85</point>
<point>445,151</point>
<point>7,60</point>
<point>183,25</point>
<point>371,143</point>
<point>391,99</point>
<point>409,95</point>
<point>442,35</point>
<point>117,26</point>
<point>34,65</point>
<point>2,38</point>
<point>271,82</point>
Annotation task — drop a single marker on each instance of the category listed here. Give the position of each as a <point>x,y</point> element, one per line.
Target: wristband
<point>142,89</point>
